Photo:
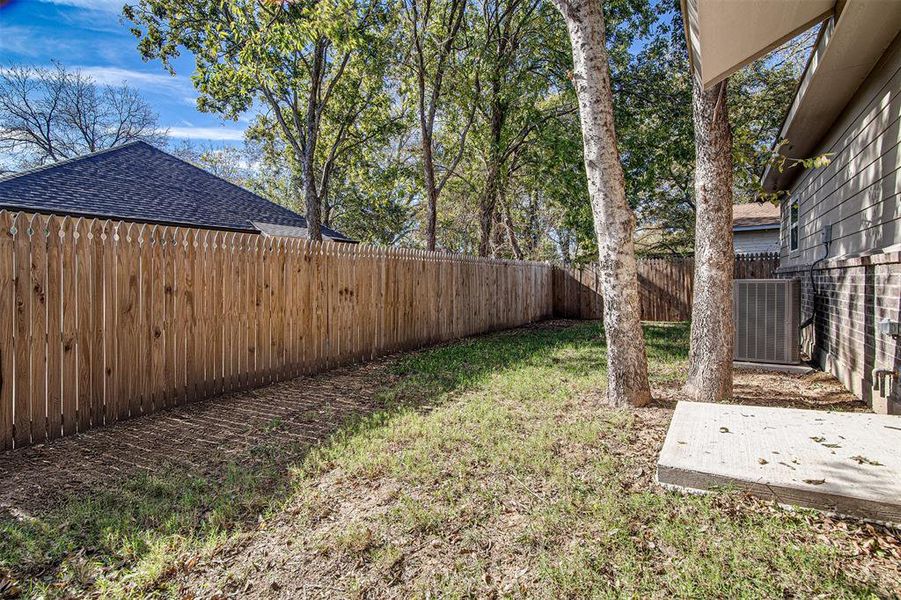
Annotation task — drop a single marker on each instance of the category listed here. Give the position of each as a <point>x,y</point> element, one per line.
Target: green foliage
<point>312,73</point>
<point>374,198</point>
<point>506,130</point>
<point>652,100</point>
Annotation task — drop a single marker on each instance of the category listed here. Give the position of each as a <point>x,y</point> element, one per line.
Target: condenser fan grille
<point>767,315</point>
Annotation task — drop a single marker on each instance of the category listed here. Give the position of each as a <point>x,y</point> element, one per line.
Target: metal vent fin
<point>767,314</point>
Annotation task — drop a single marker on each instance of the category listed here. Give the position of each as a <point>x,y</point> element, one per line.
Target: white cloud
<point>20,40</point>
<point>104,5</point>
<point>138,79</point>
<point>207,133</point>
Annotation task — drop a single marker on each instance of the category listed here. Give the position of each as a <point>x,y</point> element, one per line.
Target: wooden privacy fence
<point>104,320</point>
<point>665,286</point>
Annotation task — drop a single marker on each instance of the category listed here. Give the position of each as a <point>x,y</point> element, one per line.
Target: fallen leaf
<point>724,430</point>
<point>864,460</point>
<point>815,481</point>
<point>763,461</point>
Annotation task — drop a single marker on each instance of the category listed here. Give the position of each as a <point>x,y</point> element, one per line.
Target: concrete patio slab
<point>846,463</point>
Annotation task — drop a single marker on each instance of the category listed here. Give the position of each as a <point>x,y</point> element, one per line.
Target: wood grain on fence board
<point>106,320</point>
<point>665,286</point>
<point>7,329</point>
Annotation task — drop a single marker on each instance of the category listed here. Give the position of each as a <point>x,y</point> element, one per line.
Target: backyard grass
<point>495,470</point>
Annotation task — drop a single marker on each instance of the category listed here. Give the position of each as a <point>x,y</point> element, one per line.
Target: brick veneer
<point>854,294</point>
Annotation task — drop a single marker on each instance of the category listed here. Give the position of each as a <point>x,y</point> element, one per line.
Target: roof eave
<point>721,38</point>
<point>846,52</point>
<point>768,226</point>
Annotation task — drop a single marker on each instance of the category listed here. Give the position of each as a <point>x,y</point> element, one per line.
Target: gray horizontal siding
<point>859,193</point>
<point>755,242</point>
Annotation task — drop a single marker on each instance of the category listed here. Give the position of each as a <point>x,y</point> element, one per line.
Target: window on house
<point>793,226</point>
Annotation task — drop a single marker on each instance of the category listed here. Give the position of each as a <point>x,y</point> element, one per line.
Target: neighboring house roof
<point>755,216</point>
<point>138,182</point>
<point>276,230</point>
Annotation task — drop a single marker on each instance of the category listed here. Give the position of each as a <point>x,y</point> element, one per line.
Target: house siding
<point>754,242</point>
<point>859,283</point>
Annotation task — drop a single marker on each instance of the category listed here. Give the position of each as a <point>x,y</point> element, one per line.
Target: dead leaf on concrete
<point>861,460</point>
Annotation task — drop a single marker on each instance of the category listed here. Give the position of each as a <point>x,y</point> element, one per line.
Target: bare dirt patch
<point>816,390</point>
<point>200,437</point>
<point>346,550</point>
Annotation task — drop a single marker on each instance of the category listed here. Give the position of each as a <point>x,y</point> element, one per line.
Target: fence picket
<point>7,329</point>
<point>54,301</point>
<point>22,287</point>
<point>69,414</point>
<point>665,286</point>
<point>109,320</point>
<point>38,343</point>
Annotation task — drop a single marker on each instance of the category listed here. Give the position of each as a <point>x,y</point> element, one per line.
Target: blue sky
<point>92,36</point>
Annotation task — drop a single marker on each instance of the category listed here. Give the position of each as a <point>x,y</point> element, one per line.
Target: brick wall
<point>853,296</point>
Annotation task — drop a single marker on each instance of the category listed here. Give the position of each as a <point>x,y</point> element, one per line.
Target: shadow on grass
<point>129,534</point>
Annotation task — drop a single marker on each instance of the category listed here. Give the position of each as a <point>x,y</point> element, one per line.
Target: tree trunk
<point>431,186</point>
<point>428,102</point>
<point>712,327</point>
<point>614,221</point>
<point>488,201</point>
<point>534,225</point>
<point>497,232</point>
<point>511,230</point>
<point>325,208</point>
<point>311,136</point>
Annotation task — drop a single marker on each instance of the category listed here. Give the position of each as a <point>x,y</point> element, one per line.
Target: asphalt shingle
<point>138,182</point>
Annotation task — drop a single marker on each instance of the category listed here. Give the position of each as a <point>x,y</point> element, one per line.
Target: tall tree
<point>653,111</point>
<point>434,28</point>
<point>51,114</point>
<point>614,221</point>
<point>522,69</point>
<point>316,68</point>
<point>712,326</point>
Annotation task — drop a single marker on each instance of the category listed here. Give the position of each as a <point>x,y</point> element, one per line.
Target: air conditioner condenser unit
<point>767,316</point>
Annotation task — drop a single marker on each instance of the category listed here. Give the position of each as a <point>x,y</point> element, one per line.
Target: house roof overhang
<point>725,35</point>
<point>767,227</point>
<point>849,46</point>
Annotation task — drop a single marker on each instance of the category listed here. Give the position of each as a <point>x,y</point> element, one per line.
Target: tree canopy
<point>51,114</point>
<point>453,123</point>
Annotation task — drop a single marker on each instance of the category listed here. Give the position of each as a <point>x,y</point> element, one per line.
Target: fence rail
<point>106,320</point>
<point>665,286</point>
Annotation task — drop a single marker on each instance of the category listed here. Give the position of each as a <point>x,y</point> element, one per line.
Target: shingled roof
<point>138,182</point>
<point>755,215</point>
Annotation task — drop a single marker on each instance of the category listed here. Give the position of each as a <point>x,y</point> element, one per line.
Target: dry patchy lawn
<point>485,468</point>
